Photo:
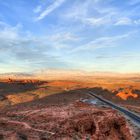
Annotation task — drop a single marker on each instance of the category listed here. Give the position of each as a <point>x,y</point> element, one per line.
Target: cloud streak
<point>102,42</point>
<point>103,15</point>
<point>50,9</point>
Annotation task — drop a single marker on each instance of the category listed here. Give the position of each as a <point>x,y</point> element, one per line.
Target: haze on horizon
<point>89,35</point>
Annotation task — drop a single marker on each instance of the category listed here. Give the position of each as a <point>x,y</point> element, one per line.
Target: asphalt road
<point>133,116</point>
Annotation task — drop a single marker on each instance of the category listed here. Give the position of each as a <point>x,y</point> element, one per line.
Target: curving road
<point>131,115</point>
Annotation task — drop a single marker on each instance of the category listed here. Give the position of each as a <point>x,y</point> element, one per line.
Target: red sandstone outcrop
<point>125,93</point>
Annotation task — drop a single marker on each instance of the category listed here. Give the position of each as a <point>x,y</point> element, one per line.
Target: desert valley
<point>48,108</point>
<point>69,69</point>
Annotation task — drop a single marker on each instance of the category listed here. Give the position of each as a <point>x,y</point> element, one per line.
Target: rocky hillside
<point>73,121</point>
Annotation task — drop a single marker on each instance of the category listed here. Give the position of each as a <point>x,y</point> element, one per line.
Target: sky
<point>88,35</point>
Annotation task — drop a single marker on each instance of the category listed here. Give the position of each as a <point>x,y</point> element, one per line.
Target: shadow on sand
<point>18,86</point>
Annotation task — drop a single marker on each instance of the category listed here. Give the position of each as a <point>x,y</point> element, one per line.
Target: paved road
<point>131,115</point>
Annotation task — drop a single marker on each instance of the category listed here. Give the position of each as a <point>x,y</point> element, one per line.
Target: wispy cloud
<point>63,37</point>
<point>14,41</point>
<point>49,9</point>
<point>127,21</point>
<point>124,21</point>
<point>96,21</point>
<point>102,42</point>
<point>35,52</point>
<point>100,16</point>
<point>103,14</point>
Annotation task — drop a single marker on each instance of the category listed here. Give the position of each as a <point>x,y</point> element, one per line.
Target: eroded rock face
<point>125,93</point>
<point>75,121</point>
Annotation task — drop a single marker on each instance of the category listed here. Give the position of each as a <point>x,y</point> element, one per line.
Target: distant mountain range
<point>16,75</point>
<point>65,74</point>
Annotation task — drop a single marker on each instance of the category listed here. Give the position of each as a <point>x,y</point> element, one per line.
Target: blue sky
<point>90,35</point>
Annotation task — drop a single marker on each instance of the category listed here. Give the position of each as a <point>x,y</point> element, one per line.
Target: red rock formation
<point>125,93</point>
<point>76,121</point>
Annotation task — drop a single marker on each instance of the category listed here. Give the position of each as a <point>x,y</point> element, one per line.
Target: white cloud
<point>50,9</point>
<point>102,42</point>
<point>96,21</point>
<point>127,21</point>
<point>63,37</point>
<point>21,51</point>
<point>124,21</point>
<point>28,47</point>
<point>101,15</point>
